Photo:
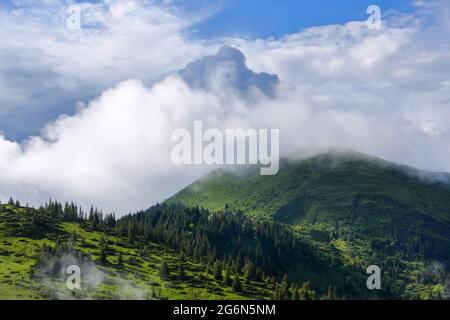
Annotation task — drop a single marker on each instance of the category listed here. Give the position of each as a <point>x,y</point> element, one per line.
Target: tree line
<point>229,243</point>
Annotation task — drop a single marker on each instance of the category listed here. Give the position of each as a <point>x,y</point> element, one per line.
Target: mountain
<point>376,197</point>
<point>309,232</point>
<point>358,208</point>
<point>164,252</point>
<point>38,245</point>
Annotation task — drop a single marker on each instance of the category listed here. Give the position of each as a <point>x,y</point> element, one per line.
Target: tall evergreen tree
<point>306,292</point>
<point>285,293</point>
<point>218,271</point>
<point>120,260</point>
<point>237,286</point>
<point>181,269</point>
<point>227,280</point>
<point>164,271</point>
<point>249,271</point>
<point>103,258</point>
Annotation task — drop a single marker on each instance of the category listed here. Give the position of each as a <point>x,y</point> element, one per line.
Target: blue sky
<point>274,18</point>
<point>271,18</point>
<point>248,19</point>
<point>110,93</point>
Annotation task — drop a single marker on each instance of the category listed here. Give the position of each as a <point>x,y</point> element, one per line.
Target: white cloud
<point>384,92</point>
<point>46,67</point>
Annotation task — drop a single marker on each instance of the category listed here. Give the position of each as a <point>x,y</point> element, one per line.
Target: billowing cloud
<point>48,65</point>
<point>384,92</point>
<point>227,69</point>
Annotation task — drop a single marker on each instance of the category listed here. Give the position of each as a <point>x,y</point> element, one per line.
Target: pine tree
<point>181,269</point>
<point>164,271</point>
<point>131,232</point>
<point>218,271</point>
<point>91,213</point>
<point>237,286</point>
<point>103,259</point>
<point>227,280</point>
<point>285,294</point>
<point>306,292</point>
<point>334,294</point>
<point>276,292</point>
<point>120,260</point>
<point>249,271</point>
<point>295,293</point>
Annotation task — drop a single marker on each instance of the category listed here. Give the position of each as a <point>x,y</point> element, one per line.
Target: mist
<point>385,93</point>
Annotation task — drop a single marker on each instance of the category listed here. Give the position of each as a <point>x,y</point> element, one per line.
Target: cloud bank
<point>383,92</point>
<point>46,67</point>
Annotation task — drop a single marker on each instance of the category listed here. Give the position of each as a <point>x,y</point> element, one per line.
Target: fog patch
<point>51,272</point>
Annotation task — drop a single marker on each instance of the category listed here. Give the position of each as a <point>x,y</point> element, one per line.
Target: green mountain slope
<point>206,254</point>
<point>36,248</point>
<point>318,225</point>
<point>375,197</point>
<point>359,209</point>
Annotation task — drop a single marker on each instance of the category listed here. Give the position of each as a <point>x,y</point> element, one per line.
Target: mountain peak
<point>364,192</point>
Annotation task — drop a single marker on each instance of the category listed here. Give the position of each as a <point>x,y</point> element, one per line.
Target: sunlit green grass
<point>136,279</point>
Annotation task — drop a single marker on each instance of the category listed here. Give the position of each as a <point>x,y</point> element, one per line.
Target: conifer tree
<point>249,271</point>
<point>227,280</point>
<point>164,271</point>
<point>218,271</point>
<point>276,292</point>
<point>103,259</point>
<point>306,292</point>
<point>181,269</point>
<point>237,286</point>
<point>284,293</point>
<point>295,293</point>
<point>120,260</point>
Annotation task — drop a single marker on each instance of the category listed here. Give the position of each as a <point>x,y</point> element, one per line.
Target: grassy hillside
<point>357,208</point>
<point>123,259</point>
<point>24,275</point>
<point>371,195</point>
<point>315,226</point>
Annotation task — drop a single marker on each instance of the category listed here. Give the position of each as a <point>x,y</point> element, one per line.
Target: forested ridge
<point>308,233</point>
<point>236,252</point>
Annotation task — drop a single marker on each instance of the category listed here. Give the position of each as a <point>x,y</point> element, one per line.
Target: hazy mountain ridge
<point>339,213</point>
<point>374,197</point>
